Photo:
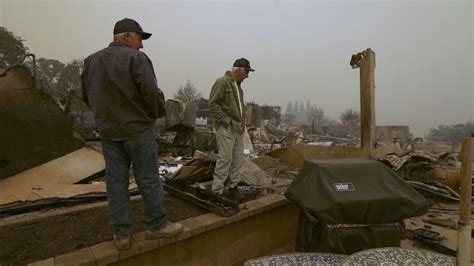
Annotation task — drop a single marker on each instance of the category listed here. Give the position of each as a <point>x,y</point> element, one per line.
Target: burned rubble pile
<point>280,151</point>
<point>274,152</point>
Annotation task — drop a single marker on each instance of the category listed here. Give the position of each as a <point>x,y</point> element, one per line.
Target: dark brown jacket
<point>119,85</point>
<point>224,105</point>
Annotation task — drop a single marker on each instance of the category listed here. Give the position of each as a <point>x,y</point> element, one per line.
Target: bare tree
<point>188,93</point>
<point>350,117</point>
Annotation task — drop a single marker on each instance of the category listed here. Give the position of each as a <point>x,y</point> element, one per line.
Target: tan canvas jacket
<point>223,103</point>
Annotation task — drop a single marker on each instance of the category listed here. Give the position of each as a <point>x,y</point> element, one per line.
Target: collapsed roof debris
<point>42,157</point>
<point>57,167</point>
<point>34,129</point>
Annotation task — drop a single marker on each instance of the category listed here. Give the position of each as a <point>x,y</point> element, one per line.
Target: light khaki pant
<point>229,160</point>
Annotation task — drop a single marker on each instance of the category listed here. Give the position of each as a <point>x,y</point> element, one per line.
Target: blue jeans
<point>142,151</point>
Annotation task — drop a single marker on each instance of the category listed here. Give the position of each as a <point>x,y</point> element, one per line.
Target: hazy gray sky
<point>300,50</point>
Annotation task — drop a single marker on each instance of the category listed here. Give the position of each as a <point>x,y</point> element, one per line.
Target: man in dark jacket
<point>226,103</point>
<point>120,87</point>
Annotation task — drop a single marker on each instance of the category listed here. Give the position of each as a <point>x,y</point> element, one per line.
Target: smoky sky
<point>300,49</point>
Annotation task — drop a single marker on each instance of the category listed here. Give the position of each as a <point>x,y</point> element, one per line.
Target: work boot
<point>217,192</point>
<point>171,229</point>
<point>122,243</point>
<point>233,194</point>
<point>233,191</point>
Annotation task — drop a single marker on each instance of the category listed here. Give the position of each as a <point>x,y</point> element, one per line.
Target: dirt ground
<point>63,234</point>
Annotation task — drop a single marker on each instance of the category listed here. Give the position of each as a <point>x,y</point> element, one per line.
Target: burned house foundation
<point>301,192</point>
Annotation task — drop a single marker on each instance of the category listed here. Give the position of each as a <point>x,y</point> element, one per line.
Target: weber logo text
<point>344,187</point>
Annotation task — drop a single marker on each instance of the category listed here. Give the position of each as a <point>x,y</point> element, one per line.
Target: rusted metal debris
<point>430,240</point>
<point>201,197</point>
<point>448,223</point>
<point>418,166</point>
<point>202,170</point>
<point>196,170</point>
<point>435,189</point>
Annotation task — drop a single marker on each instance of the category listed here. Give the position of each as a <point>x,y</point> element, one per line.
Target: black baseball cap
<point>243,63</point>
<point>130,25</point>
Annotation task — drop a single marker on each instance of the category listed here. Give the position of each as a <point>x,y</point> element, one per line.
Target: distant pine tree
<point>301,115</point>
<point>316,116</point>
<point>295,109</point>
<point>308,107</point>
<point>289,109</point>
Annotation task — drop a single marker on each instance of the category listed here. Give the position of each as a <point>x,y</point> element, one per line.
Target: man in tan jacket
<point>226,103</point>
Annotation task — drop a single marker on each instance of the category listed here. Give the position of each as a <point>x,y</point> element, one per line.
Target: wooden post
<point>367,102</point>
<point>464,223</point>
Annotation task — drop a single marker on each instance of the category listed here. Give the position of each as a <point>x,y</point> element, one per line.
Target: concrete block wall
<point>263,227</point>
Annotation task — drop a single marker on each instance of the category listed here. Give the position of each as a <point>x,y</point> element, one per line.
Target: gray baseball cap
<point>243,63</point>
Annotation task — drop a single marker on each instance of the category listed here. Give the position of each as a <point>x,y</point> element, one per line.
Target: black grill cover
<point>354,191</point>
<point>313,236</point>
